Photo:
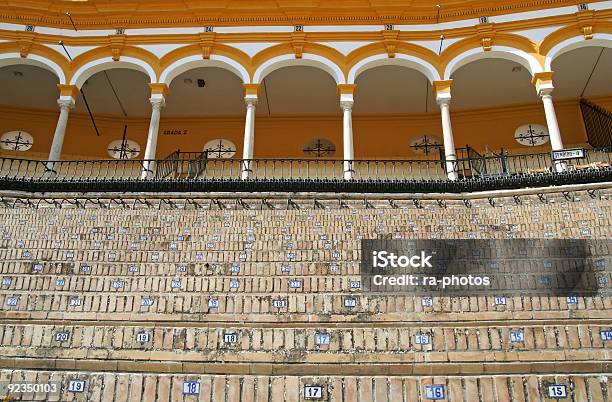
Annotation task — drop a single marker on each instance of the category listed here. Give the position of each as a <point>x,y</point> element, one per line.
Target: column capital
<point>347,104</point>
<point>159,89</point>
<point>442,90</point>
<point>157,101</point>
<point>543,83</point>
<point>251,94</point>
<point>66,102</point>
<point>250,100</point>
<point>346,92</point>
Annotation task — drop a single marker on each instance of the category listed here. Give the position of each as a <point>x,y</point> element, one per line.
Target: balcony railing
<point>200,169</point>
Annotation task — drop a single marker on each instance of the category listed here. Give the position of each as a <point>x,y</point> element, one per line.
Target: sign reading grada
<point>175,132</point>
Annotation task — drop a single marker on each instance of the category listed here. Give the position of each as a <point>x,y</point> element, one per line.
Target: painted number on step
<point>434,392</point>
<point>313,392</point>
<point>76,386</point>
<point>191,388</point>
<point>557,391</point>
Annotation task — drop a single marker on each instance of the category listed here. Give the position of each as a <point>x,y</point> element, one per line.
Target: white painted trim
<point>600,5</point>
<point>107,63</point>
<point>469,22</point>
<point>537,35</point>
<point>498,52</point>
<point>343,28</point>
<point>434,45</point>
<point>308,59</point>
<point>400,59</point>
<point>345,47</point>
<point>10,59</point>
<point>161,49</point>
<point>252,48</point>
<point>529,15</point>
<point>599,40</point>
<point>196,61</point>
<point>75,51</point>
<point>71,32</point>
<point>256,29</point>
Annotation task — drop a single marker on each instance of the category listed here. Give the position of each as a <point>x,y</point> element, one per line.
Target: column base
<point>246,174</point>
<point>349,174</point>
<point>559,166</point>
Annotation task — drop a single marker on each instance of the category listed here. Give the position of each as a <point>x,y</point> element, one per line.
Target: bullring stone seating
<point>257,304</point>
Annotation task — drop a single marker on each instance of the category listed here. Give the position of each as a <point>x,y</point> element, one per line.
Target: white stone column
<point>347,136</point>
<point>157,102</point>
<point>551,120</point>
<point>66,103</point>
<point>249,136</point>
<point>347,100</point>
<point>545,88</point>
<point>443,98</point>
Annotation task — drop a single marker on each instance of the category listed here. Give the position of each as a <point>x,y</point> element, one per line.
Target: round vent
<point>320,148</point>
<point>16,141</point>
<point>123,149</point>
<point>426,144</point>
<point>532,135</point>
<point>220,149</point>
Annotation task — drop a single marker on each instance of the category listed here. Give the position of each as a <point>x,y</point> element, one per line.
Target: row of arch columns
<point>543,83</point>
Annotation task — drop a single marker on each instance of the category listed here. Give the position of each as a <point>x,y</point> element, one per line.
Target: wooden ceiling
<point>99,14</point>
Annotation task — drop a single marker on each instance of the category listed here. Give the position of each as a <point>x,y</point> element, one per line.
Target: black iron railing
<point>498,171</point>
<point>199,166</point>
<point>598,124</point>
<point>185,165</point>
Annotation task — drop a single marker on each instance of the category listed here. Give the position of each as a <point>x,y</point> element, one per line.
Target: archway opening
<point>205,92</point>
<point>583,72</point>
<point>491,100</point>
<point>297,105</point>
<point>205,106</point>
<point>118,99</point>
<point>298,90</point>
<point>113,92</point>
<point>393,90</point>
<point>29,110</point>
<point>395,115</point>
<point>582,81</point>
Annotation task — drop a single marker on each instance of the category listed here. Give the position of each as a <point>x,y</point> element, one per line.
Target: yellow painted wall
<point>377,137</point>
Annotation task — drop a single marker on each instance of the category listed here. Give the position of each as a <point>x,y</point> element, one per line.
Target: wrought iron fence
<point>200,167</point>
<point>181,165</point>
<point>598,123</point>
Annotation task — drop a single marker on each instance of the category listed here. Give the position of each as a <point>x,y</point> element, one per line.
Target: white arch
<point>400,59</point>
<point>107,63</point>
<point>11,59</point>
<point>308,59</point>
<point>599,40</point>
<point>498,52</point>
<point>188,63</point>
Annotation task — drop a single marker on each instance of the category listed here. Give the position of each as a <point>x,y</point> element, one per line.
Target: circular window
<point>532,135</point>
<point>220,149</point>
<point>426,144</point>
<point>123,149</point>
<point>320,147</point>
<point>16,141</point>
